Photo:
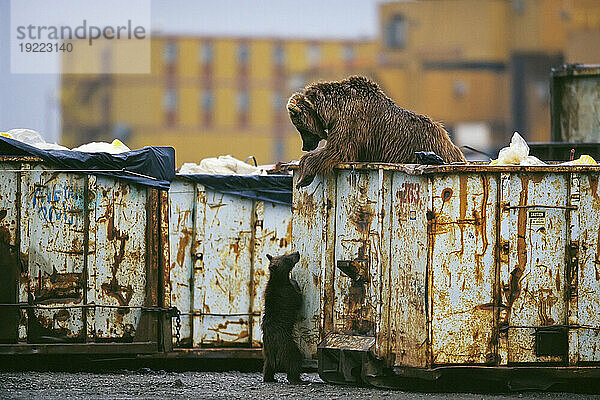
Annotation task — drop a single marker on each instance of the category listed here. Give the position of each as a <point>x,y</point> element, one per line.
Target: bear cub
<point>283,300</point>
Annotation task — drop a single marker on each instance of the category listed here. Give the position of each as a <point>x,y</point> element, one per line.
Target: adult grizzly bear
<point>282,305</point>
<point>360,123</point>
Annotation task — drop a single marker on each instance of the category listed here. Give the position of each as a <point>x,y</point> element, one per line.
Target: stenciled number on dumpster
<point>410,193</point>
<point>56,203</point>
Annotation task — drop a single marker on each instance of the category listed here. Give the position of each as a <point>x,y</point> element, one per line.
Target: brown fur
<point>360,123</point>
<point>283,300</point>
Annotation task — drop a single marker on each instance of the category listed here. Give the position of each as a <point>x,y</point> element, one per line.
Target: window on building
<point>206,52</point>
<point>459,88</point>
<point>206,99</point>
<point>348,53</point>
<point>170,52</point>
<point>242,101</point>
<point>243,53</point>
<point>278,55</point>
<point>395,32</point>
<point>313,55</point>
<point>277,102</point>
<point>170,100</point>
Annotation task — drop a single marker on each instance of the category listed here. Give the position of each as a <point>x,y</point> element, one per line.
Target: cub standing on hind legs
<point>360,123</point>
<point>282,305</point>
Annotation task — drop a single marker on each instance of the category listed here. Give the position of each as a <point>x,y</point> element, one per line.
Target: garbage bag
<point>115,147</point>
<point>585,159</point>
<point>32,138</point>
<point>222,165</point>
<point>517,153</point>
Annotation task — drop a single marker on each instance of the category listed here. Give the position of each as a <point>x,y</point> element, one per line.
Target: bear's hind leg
<point>268,371</point>
<point>294,364</point>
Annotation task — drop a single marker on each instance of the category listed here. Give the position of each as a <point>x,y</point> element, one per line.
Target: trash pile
<point>517,153</point>
<point>223,165</point>
<point>33,138</point>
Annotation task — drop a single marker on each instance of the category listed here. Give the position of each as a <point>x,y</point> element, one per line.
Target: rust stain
<point>462,211</point>
<point>546,300</point>
<point>594,189</point>
<point>361,217</point>
<point>121,293</point>
<point>288,235</point>
<point>446,194</point>
<point>62,315</point>
<point>184,241</point>
<point>357,319</point>
<point>481,224</point>
<point>316,280</point>
<point>305,207</point>
<point>58,286</point>
<point>514,288</point>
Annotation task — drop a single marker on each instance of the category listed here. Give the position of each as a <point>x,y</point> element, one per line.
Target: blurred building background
<point>480,66</point>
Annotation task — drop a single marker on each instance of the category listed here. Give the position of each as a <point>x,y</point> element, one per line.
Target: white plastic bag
<point>222,165</point>
<point>32,138</point>
<point>115,147</point>
<point>517,153</point>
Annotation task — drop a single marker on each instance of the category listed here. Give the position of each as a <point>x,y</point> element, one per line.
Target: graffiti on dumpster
<point>57,202</point>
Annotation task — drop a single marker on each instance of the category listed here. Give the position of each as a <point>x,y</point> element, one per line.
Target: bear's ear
<point>270,257</point>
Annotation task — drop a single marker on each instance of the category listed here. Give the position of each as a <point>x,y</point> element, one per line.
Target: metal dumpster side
<point>219,268</point>
<point>431,270</point>
<point>84,265</point>
<point>575,90</point>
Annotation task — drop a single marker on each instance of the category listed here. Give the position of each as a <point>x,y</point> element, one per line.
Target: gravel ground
<point>147,384</point>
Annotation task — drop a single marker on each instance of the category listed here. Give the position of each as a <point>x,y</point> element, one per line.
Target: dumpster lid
<point>273,188</point>
<point>474,167</point>
<point>568,70</point>
<point>149,166</point>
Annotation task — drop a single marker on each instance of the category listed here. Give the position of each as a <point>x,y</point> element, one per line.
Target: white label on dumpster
<point>537,218</point>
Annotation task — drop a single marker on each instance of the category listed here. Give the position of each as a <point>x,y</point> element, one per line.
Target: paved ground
<point>146,384</point>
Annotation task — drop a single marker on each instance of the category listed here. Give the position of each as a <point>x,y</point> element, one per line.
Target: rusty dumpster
<point>423,271</point>
<point>83,257</point>
<point>221,228</point>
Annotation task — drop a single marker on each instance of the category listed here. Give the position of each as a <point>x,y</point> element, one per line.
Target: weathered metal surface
<point>55,255</point>
<point>120,259</point>
<point>10,269</point>
<point>226,276</point>
<point>77,243</point>
<point>575,91</point>
<point>584,283</point>
<point>311,215</point>
<point>272,235</point>
<point>407,271</point>
<point>535,295</point>
<point>486,266</point>
<point>181,235</point>
<point>348,342</point>
<point>219,268</point>
<point>462,233</point>
<point>358,239</point>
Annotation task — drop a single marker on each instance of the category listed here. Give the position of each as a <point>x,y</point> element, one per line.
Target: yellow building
<point>480,66</point>
<point>207,96</point>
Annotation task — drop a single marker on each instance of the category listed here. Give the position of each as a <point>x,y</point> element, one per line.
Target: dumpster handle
<point>506,207</point>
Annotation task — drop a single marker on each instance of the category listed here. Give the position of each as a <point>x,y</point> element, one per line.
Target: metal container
<point>418,271</point>
<point>219,268</point>
<point>83,259</point>
<point>575,91</point>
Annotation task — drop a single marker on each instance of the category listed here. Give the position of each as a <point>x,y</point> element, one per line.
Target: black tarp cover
<point>150,166</point>
<point>274,188</point>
